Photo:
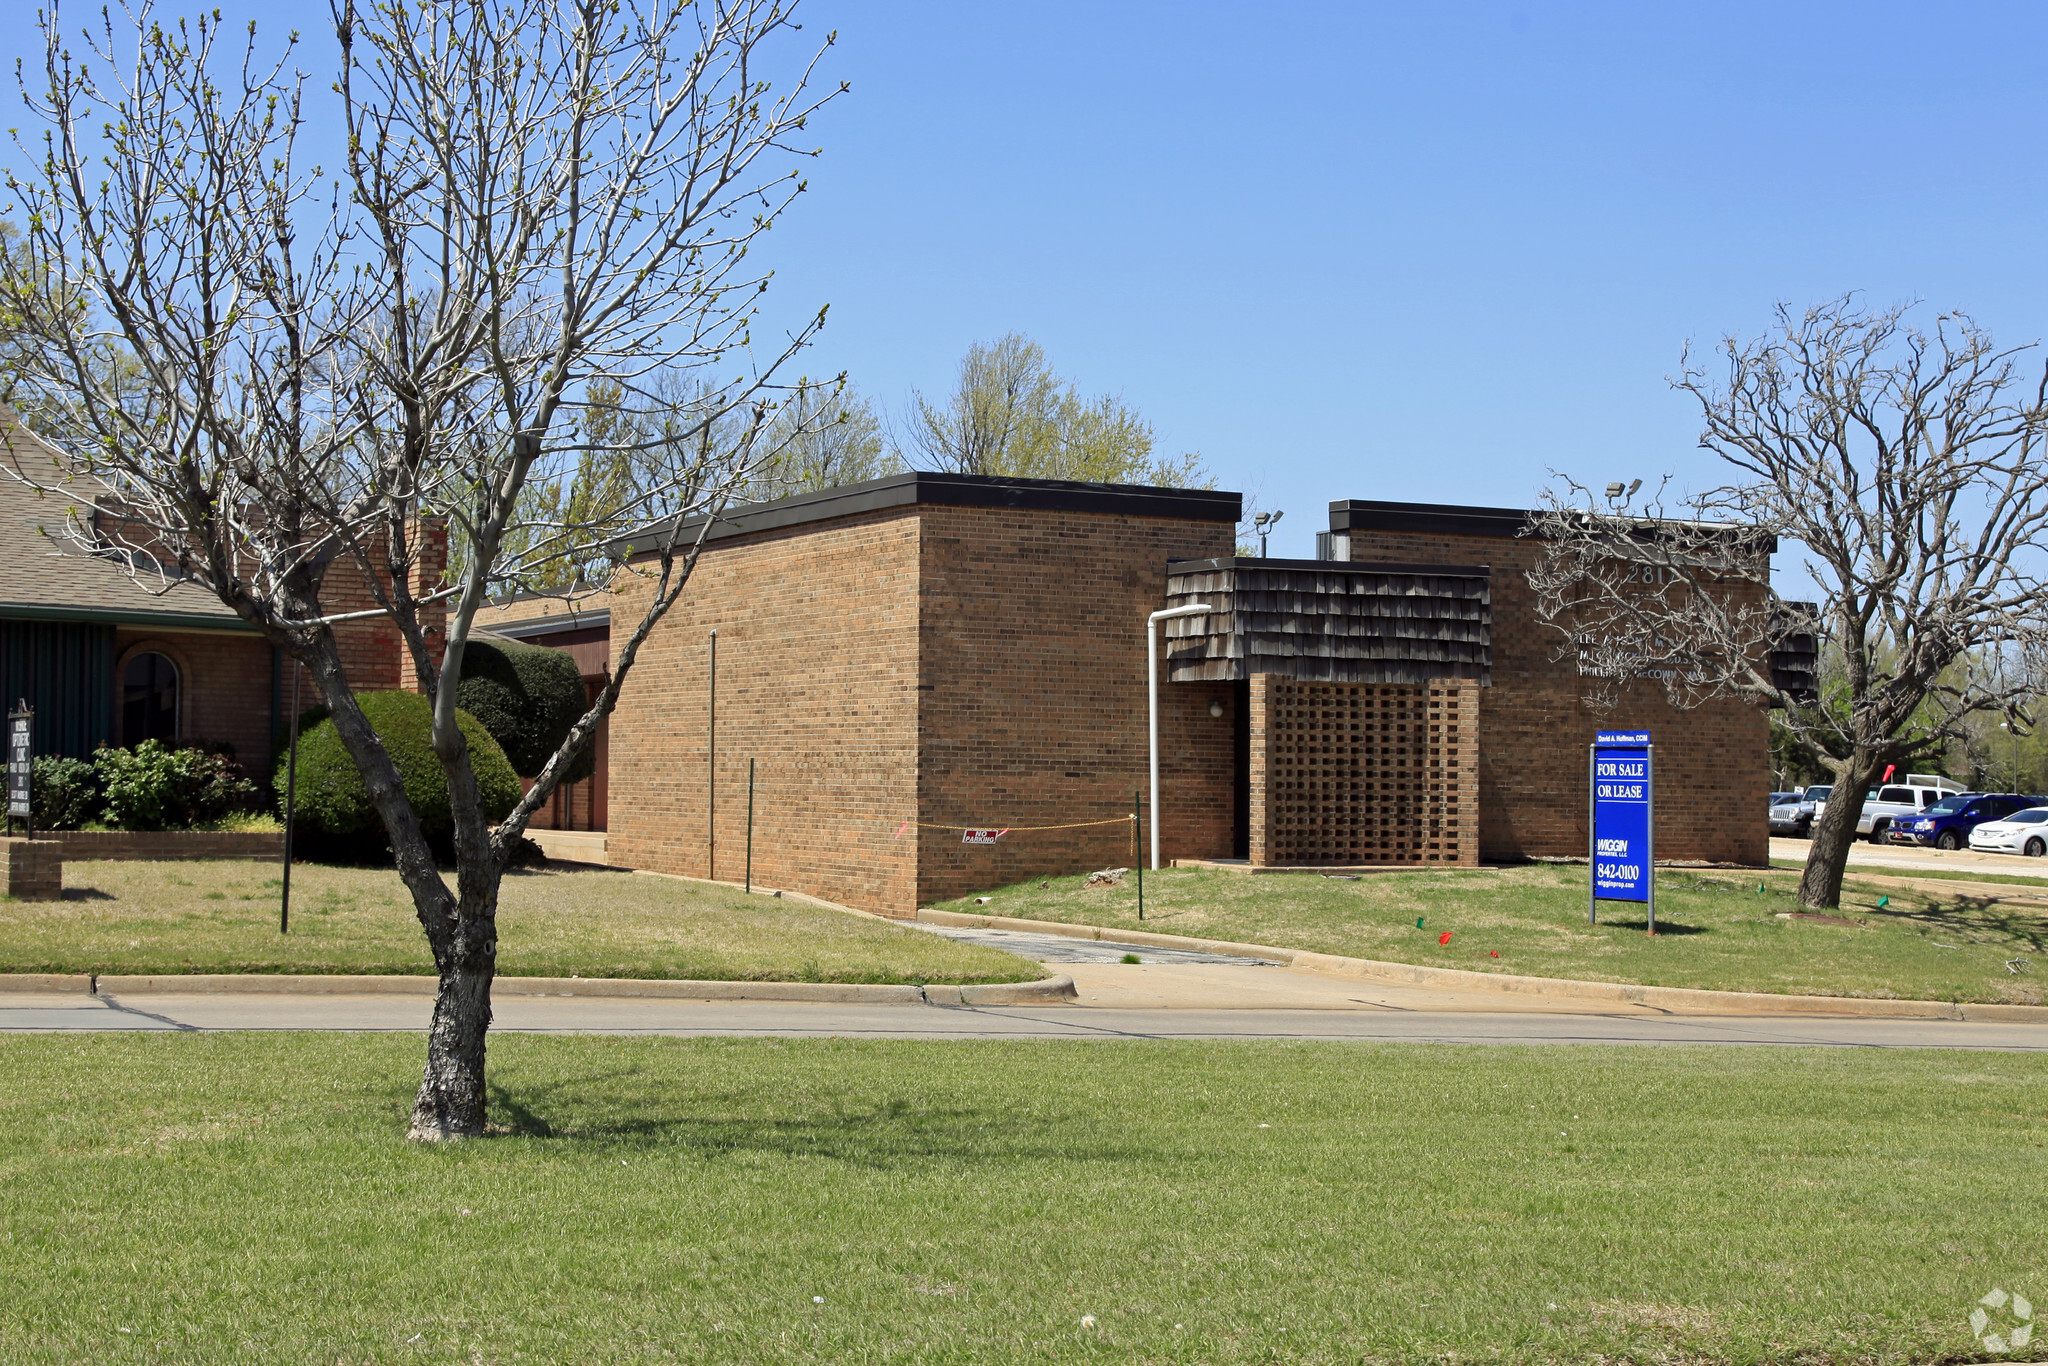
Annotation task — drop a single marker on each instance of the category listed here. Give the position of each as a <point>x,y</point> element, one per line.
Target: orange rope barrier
<point>930,825</point>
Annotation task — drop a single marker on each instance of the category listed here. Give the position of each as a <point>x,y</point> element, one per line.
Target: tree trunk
<point>450,1103</point>
<point>1827,858</point>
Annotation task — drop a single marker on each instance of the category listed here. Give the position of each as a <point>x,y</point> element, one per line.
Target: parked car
<point>2023,832</point>
<point>1888,803</point>
<point>1947,824</point>
<point>1795,815</point>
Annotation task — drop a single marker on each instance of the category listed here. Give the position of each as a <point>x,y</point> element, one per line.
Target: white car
<point>2023,832</point>
<point>1886,804</point>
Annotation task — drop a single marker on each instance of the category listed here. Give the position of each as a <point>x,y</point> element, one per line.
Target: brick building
<point>583,628</point>
<point>906,658</point>
<point>1713,763</point>
<point>110,657</point>
<point>929,648</point>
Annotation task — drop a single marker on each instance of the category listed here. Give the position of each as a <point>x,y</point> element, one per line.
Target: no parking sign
<point>1621,851</point>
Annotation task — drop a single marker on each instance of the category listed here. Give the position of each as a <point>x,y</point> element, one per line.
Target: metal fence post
<point>1138,816</point>
<point>291,807</point>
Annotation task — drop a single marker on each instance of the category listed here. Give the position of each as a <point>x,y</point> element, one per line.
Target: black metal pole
<point>1138,816</point>
<point>1592,831</point>
<point>750,825</point>
<point>1650,833</point>
<point>291,806</point>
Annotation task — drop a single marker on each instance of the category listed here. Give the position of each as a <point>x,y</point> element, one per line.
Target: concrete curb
<point>1045,991</point>
<point>1675,1000</point>
<point>45,982</point>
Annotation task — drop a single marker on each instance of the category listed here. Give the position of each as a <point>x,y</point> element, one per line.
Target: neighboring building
<point>580,624</point>
<point>110,657</point>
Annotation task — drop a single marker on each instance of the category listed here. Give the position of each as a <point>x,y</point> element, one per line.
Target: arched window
<point>149,699</point>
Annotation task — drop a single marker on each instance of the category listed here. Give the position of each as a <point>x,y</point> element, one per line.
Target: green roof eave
<point>118,616</point>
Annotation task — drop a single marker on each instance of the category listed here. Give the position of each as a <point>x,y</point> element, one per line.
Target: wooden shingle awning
<point>1330,621</point>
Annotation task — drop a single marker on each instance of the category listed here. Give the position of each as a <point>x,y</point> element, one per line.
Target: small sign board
<point>20,763</point>
<point>982,836</point>
<point>1621,823</point>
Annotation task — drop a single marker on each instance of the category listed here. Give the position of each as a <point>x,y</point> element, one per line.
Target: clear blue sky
<point>1418,252</point>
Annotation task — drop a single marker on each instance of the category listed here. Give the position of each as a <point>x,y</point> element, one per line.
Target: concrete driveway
<point>1878,858</point>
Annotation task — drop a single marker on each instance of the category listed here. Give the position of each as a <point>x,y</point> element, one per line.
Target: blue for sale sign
<point>1623,854</point>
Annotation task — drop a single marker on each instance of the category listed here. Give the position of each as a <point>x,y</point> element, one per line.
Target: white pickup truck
<point>1887,803</point>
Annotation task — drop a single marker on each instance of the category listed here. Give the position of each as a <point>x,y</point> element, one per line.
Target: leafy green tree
<point>1011,413</point>
<point>824,438</point>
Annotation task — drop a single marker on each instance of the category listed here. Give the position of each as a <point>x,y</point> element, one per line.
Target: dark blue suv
<point>1947,824</point>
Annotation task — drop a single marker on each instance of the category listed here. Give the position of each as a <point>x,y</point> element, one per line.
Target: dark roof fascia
<point>554,625</point>
<point>1355,514</point>
<point>1364,514</point>
<point>955,490</point>
<point>115,616</point>
<point>1476,571</point>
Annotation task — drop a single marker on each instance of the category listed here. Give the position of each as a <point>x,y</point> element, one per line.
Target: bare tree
<point>1907,468</point>
<point>541,198</point>
<point>826,439</point>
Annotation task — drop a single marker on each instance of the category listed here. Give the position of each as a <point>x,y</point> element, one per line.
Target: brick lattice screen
<point>1345,773</point>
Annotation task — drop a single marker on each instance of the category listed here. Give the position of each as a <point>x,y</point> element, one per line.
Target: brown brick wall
<point>1033,690</point>
<point>1713,763</point>
<point>32,870</point>
<point>1364,774</point>
<point>224,687</point>
<point>373,654</point>
<point>817,681</point>
<point>262,845</point>
<point>1006,648</point>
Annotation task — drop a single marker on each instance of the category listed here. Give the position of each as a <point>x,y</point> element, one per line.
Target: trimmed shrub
<point>529,697</point>
<point>64,793</point>
<point>155,786</point>
<point>333,804</point>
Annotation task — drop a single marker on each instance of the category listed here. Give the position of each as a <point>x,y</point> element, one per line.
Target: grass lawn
<point>122,917</point>
<point>247,1198</point>
<point>1714,928</point>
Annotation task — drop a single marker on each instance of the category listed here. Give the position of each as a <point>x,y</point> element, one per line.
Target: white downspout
<point>1152,686</point>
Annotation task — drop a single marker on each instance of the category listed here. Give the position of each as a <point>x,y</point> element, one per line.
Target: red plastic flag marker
<point>901,828</point>
<point>1496,953</point>
<point>1444,938</point>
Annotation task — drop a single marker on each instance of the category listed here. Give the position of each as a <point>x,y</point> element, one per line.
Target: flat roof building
<point>908,661</point>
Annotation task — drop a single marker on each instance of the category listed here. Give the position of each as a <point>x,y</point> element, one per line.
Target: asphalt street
<point>1168,994</point>
<point>1362,1021</point>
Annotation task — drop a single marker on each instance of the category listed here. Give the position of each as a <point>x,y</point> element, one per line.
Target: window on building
<point>149,699</point>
